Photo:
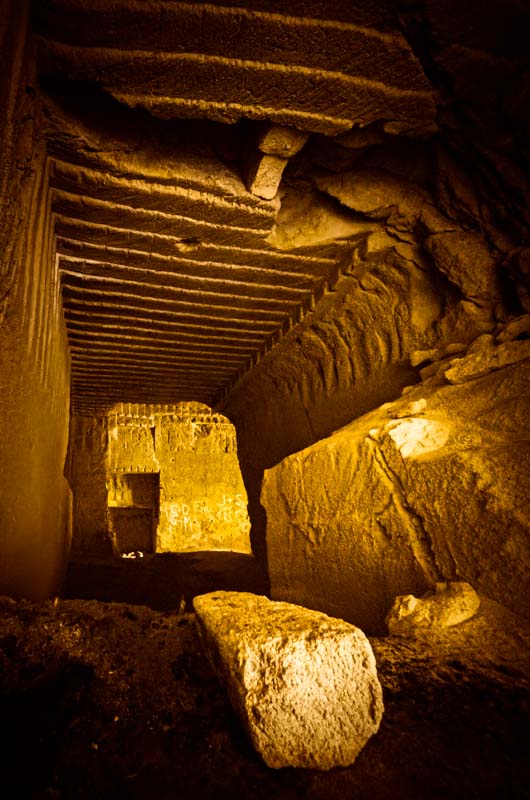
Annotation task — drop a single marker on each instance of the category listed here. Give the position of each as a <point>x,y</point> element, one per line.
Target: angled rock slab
<point>518,327</point>
<point>478,364</point>
<point>425,489</point>
<point>304,684</point>
<point>449,604</point>
<point>468,263</point>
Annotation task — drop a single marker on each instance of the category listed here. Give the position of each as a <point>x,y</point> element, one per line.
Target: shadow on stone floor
<point>164,581</point>
<point>112,701</point>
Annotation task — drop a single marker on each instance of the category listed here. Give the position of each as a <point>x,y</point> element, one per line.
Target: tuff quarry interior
<point>265,318</point>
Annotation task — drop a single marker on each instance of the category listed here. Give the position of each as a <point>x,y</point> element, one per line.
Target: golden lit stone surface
<point>392,504</point>
<point>304,685</point>
<point>131,695</point>
<point>157,479</point>
<point>450,604</point>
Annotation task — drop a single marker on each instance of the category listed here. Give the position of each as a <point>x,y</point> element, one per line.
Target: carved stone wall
<point>87,472</point>
<point>198,500</point>
<point>34,362</point>
<point>293,293</point>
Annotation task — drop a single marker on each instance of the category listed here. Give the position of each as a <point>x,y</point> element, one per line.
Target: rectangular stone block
<point>280,140</point>
<point>304,684</point>
<point>264,175</point>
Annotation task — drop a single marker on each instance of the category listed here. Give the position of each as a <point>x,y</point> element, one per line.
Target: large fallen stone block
<point>449,604</point>
<point>422,490</point>
<point>304,684</point>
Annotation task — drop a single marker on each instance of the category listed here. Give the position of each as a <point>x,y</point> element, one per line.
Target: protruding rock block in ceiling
<point>279,140</point>
<point>264,168</point>
<point>170,285</point>
<point>306,66</point>
<point>425,489</point>
<point>304,685</point>
<point>264,175</point>
<point>157,479</point>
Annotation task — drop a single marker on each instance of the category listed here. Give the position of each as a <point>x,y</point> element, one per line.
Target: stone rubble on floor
<point>449,604</point>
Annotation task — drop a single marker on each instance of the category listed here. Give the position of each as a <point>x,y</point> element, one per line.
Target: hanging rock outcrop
<point>305,65</point>
<point>35,499</point>
<point>304,685</point>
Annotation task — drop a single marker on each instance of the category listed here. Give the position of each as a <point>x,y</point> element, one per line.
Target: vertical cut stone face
<point>304,685</point>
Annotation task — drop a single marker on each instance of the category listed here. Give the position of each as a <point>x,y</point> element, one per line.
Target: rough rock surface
<point>304,685</point>
<point>172,280</point>
<point>316,68</point>
<point>467,262</point>
<point>518,327</point>
<point>449,604</point>
<point>106,700</point>
<point>35,499</point>
<point>424,489</point>
<point>176,282</point>
<point>480,363</point>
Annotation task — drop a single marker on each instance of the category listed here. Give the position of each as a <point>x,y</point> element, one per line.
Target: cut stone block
<point>264,175</point>
<point>280,140</point>
<point>390,505</point>
<point>449,604</point>
<point>304,685</point>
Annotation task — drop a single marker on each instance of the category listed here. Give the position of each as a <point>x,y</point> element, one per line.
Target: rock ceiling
<point>178,268</point>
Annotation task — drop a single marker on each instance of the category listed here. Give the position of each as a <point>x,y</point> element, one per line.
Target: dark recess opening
<point>133,515</point>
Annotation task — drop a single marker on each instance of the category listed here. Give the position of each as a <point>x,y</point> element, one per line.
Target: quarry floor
<point>107,700</point>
